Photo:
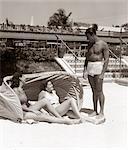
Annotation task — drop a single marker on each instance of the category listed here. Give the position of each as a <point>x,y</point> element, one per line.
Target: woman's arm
<point>41,95</point>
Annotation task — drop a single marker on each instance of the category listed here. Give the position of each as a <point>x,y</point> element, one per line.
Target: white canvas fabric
<point>10,106</point>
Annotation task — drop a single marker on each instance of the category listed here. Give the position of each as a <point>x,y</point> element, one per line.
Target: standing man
<point>96,63</point>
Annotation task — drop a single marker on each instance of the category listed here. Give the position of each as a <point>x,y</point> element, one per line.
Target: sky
<point>102,12</point>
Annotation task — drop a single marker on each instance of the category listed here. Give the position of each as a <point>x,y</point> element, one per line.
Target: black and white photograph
<point>63,74</point>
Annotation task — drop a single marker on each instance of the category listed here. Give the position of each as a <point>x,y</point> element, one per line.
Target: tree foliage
<point>60,18</point>
<point>125,25</point>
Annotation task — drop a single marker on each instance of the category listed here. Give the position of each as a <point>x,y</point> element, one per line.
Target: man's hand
<point>84,74</point>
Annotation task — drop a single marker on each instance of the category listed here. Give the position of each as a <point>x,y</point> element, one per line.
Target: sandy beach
<point>111,134</point>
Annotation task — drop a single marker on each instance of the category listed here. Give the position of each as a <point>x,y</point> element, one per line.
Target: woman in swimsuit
<point>35,111</point>
<point>68,107</point>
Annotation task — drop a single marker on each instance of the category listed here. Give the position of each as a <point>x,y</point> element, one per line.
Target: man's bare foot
<point>92,114</point>
<point>83,118</point>
<point>76,121</point>
<point>100,116</point>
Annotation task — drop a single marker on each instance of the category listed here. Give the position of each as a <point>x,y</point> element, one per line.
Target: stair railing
<point>123,41</point>
<point>119,59</point>
<point>74,55</point>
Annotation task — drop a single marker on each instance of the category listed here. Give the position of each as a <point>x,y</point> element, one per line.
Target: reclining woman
<point>35,111</point>
<point>68,107</point>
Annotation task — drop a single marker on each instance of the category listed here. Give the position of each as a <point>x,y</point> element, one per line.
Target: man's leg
<point>101,101</point>
<point>101,98</point>
<point>94,92</point>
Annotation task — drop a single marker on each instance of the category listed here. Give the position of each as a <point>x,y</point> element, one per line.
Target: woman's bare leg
<point>64,107</point>
<point>50,119</point>
<point>44,103</point>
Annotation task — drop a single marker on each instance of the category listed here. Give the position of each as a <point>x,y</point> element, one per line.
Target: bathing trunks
<point>94,68</point>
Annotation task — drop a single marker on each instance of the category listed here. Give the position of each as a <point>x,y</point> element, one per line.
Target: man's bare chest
<point>96,49</point>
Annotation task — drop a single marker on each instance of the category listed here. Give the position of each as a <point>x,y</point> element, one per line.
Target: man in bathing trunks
<point>96,63</point>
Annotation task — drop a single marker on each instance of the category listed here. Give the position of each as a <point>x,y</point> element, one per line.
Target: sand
<point>111,134</point>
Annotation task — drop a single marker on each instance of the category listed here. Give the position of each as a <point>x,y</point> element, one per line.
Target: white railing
<point>74,55</point>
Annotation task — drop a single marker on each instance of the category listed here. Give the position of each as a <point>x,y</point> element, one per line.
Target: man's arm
<point>26,109</point>
<point>85,67</point>
<point>106,60</point>
<point>85,63</point>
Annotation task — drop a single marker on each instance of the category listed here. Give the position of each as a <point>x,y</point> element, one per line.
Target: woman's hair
<point>15,81</point>
<point>44,85</point>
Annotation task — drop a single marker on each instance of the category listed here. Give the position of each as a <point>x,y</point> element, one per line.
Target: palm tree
<point>60,18</point>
